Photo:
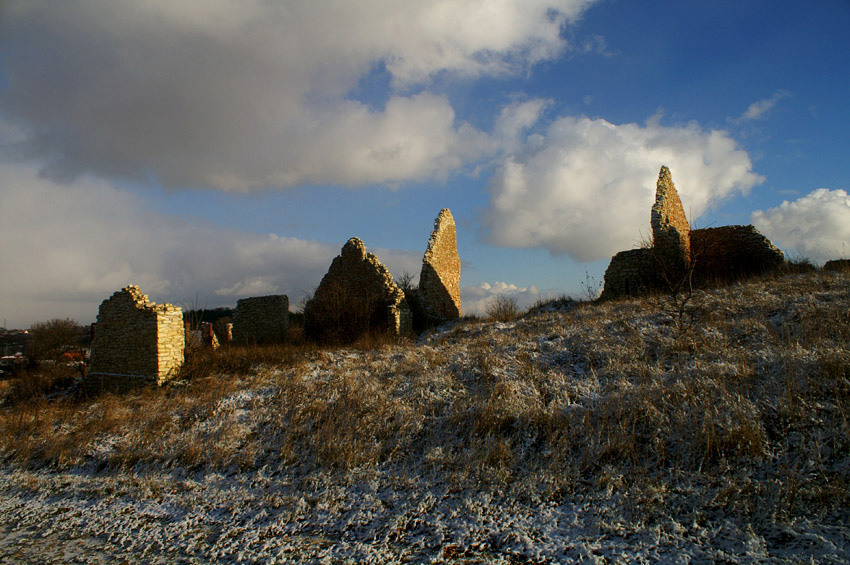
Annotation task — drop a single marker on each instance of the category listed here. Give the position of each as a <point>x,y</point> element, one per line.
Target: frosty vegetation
<point>628,430</point>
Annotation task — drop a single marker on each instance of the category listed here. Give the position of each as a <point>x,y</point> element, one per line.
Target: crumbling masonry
<point>135,341</point>
<point>439,280</point>
<point>671,232</point>
<point>680,255</point>
<point>356,296</point>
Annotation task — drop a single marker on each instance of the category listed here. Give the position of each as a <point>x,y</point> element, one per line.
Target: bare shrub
<point>502,308</point>
<point>557,304</point>
<point>421,317</point>
<point>51,339</point>
<point>591,289</point>
<point>405,282</point>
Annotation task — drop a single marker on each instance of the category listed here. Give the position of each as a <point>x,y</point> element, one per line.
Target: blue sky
<point>219,150</point>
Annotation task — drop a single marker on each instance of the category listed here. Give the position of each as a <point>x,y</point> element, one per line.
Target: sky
<point>210,150</point>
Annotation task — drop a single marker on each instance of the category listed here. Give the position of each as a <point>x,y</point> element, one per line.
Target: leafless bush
<point>591,289</point>
<point>405,282</point>
<point>502,308</point>
<point>800,265</point>
<point>421,317</point>
<point>560,303</point>
<point>51,339</point>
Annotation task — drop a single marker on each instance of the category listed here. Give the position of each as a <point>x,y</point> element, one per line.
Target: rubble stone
<point>732,252</point>
<point>631,273</point>
<point>208,337</point>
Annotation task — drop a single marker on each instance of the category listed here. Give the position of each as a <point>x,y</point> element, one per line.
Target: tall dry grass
<point>751,402</point>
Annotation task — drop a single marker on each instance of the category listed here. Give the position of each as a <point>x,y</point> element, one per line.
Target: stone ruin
<point>208,337</point>
<point>439,280</point>
<point>138,338</point>
<point>135,341</point>
<point>730,253</point>
<point>837,266</point>
<point>204,336</point>
<point>671,232</point>
<point>679,255</point>
<point>261,320</point>
<point>357,296</point>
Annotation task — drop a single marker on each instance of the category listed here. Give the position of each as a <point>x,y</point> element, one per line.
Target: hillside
<point>711,428</point>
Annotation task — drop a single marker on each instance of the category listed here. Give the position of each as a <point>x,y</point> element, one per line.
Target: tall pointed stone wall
<point>439,280</point>
<point>670,228</point>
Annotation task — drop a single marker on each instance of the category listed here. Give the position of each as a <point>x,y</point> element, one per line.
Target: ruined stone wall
<point>208,336</point>
<point>670,227</point>
<point>630,273</point>
<point>357,295</point>
<point>439,280</point>
<point>204,336</point>
<point>680,254</point>
<point>135,339</point>
<point>262,319</point>
<point>732,252</point>
<point>837,265</point>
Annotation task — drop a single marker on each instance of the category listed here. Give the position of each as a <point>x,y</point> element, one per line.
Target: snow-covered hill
<point>708,429</point>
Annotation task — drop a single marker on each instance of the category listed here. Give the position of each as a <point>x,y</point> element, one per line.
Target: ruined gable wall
<point>670,227</point>
<point>261,319</point>
<point>732,252</point>
<point>357,295</point>
<point>439,280</point>
<point>135,337</point>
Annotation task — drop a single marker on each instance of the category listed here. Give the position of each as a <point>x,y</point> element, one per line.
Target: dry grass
<point>751,402</point>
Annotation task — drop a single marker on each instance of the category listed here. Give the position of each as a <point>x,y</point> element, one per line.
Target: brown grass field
<point>732,404</point>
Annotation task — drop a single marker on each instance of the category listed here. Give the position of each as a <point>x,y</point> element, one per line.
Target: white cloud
<point>585,188</point>
<point>240,95</point>
<point>758,109</point>
<point>515,120</point>
<point>474,299</point>
<point>68,247</point>
<point>816,225</point>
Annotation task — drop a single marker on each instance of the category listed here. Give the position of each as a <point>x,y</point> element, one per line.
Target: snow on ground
<point>437,489</point>
<point>84,516</point>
